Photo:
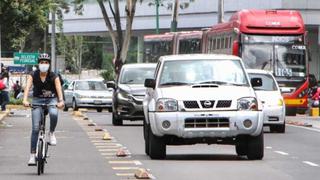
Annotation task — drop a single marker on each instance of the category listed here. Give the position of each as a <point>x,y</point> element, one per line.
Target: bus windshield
<point>189,46</point>
<point>154,49</point>
<point>283,55</point>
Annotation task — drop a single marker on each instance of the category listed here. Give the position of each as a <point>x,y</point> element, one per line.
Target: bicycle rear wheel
<point>40,158</point>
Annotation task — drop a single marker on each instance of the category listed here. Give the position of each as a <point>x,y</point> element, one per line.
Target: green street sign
<point>25,58</point>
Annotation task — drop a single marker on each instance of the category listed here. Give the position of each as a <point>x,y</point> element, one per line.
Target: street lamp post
<point>157,16</point>
<point>174,22</point>
<point>53,40</point>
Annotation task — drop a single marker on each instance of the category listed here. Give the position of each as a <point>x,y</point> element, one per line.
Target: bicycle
<point>42,143</point>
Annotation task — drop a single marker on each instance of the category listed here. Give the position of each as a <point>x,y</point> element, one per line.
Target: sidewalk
<point>3,114</point>
<point>304,120</point>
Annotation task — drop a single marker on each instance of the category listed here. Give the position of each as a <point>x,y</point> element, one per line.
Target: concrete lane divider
<point>142,173</point>
<point>106,136</point>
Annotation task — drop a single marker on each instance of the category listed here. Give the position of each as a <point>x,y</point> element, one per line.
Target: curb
<point>3,115</point>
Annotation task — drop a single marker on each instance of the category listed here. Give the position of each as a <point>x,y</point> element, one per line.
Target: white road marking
<point>126,162</point>
<point>307,128</point>
<point>282,153</point>
<point>268,147</point>
<point>125,174</point>
<point>125,168</point>
<point>311,163</point>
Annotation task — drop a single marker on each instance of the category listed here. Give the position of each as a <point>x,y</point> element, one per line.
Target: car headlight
<point>125,96</point>
<point>280,102</point>
<point>247,104</point>
<point>166,105</point>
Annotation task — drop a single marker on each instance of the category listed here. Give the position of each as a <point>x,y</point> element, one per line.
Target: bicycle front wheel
<point>40,158</point>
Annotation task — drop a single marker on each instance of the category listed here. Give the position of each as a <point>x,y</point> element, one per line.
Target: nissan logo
<point>207,104</point>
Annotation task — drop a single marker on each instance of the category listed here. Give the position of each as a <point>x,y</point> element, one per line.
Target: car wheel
<point>65,108</point>
<point>146,137</point>
<point>278,128</point>
<point>241,146</point>
<point>291,111</point>
<point>157,146</point>
<point>116,120</point>
<point>255,147</point>
<point>74,105</point>
<point>109,109</point>
<point>99,109</point>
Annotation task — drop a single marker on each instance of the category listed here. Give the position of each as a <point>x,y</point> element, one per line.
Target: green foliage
<point>14,101</point>
<point>108,74</point>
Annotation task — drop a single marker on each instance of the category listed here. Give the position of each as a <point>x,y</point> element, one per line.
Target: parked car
<point>88,94</point>
<point>272,100</point>
<point>129,92</point>
<point>202,98</point>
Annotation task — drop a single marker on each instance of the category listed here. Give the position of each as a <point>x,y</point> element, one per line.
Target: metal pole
<point>80,58</point>
<point>220,11</point>
<point>174,22</point>
<point>53,40</point>
<point>0,47</point>
<point>157,16</point>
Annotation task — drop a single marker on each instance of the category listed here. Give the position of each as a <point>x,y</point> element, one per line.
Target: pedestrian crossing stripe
<point>125,168</point>
<point>125,174</point>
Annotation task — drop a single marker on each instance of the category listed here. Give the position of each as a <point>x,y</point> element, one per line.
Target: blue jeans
<point>4,99</point>
<point>36,118</point>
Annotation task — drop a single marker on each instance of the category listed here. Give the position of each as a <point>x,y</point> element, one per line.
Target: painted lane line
<point>125,168</point>
<point>116,157</point>
<point>105,147</point>
<point>108,150</point>
<point>268,147</point>
<point>126,162</point>
<point>125,174</point>
<point>311,163</point>
<point>307,128</point>
<point>282,153</point>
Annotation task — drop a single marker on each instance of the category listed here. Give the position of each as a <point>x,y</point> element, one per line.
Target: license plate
<point>97,102</point>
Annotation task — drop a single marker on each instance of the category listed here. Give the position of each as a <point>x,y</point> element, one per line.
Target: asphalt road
<point>82,154</point>
<point>293,155</point>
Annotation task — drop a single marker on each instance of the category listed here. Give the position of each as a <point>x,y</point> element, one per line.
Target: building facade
<point>199,14</point>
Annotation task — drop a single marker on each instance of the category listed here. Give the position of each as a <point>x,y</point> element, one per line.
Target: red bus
<point>184,42</point>
<point>273,40</point>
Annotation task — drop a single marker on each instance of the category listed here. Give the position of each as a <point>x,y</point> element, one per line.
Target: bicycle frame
<point>42,144</point>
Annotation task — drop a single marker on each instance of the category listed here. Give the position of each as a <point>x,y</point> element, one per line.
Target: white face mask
<point>44,67</point>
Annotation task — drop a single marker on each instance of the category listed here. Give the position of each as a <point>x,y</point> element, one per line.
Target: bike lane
<point>74,157</point>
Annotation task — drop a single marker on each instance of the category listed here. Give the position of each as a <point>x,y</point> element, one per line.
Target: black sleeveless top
<point>44,89</point>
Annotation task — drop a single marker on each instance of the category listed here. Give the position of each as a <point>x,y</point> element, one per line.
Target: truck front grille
<point>216,122</point>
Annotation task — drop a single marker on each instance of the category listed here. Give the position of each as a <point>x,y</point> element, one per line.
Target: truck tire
<point>255,147</point>
<point>241,146</point>
<point>157,146</point>
<point>146,137</point>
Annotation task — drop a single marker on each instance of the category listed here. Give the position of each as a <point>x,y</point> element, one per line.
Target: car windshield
<point>268,83</point>
<point>190,72</point>
<point>136,75</point>
<point>91,85</point>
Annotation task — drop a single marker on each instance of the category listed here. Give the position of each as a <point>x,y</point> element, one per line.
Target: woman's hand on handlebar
<point>60,104</point>
<point>26,103</point>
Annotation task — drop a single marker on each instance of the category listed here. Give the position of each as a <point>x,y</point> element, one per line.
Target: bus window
<point>189,46</point>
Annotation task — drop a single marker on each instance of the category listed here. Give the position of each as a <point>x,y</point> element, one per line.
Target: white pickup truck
<point>202,98</point>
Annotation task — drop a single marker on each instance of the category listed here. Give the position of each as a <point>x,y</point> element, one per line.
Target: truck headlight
<point>166,105</point>
<point>247,104</point>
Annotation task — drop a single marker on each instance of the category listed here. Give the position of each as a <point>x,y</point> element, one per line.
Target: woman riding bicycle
<point>46,90</point>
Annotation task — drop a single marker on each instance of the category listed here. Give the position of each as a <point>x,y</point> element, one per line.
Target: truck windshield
<point>188,72</point>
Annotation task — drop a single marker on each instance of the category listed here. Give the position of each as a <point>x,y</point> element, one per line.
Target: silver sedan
<point>88,94</point>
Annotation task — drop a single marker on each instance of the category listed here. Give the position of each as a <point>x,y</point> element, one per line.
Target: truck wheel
<point>74,105</point>
<point>157,146</point>
<point>241,146</point>
<point>99,109</point>
<point>255,147</point>
<point>146,137</point>
<point>116,120</point>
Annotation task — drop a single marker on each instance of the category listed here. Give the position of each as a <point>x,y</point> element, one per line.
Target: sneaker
<point>52,139</point>
<point>32,160</point>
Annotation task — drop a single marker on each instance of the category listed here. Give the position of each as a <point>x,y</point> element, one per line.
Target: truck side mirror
<point>256,82</point>
<point>150,83</point>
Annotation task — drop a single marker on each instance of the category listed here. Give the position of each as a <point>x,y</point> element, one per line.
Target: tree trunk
<point>130,9</point>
